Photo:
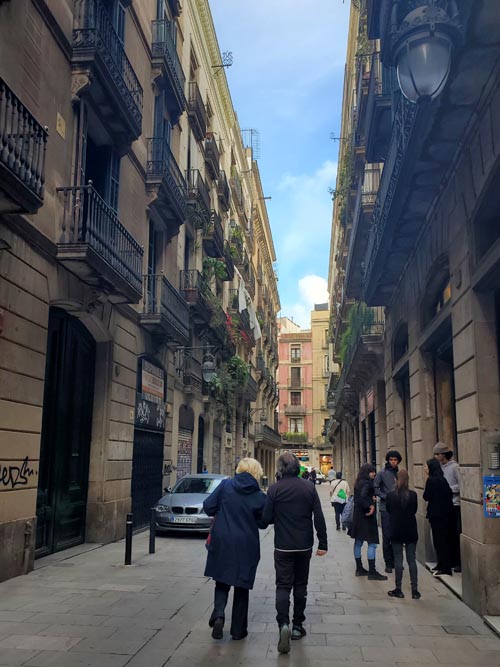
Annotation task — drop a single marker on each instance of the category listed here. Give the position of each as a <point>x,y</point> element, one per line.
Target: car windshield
<point>196,485</point>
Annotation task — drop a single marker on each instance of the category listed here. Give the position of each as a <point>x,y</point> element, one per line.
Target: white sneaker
<point>284,641</point>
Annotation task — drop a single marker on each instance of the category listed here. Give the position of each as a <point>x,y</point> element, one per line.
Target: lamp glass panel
<point>423,66</point>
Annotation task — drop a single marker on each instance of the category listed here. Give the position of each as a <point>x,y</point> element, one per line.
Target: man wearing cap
<point>451,471</point>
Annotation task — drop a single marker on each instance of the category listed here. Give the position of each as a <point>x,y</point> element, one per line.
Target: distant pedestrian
<point>439,499</point>
<point>401,505</point>
<point>331,475</point>
<point>305,474</point>
<point>292,506</point>
<point>364,522</point>
<point>451,471</point>
<point>313,475</point>
<point>339,493</point>
<point>385,482</point>
<point>234,544</point>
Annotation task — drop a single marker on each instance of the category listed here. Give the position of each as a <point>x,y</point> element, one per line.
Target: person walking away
<point>234,544</point>
<point>401,505</point>
<point>331,475</point>
<point>293,506</point>
<point>451,471</point>
<point>339,493</point>
<point>313,475</point>
<point>385,482</point>
<point>439,499</point>
<point>364,522</point>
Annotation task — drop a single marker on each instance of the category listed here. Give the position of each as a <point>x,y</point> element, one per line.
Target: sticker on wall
<point>491,495</point>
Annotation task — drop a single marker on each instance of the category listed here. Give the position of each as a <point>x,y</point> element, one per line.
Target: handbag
<point>348,512</point>
<point>342,494</point>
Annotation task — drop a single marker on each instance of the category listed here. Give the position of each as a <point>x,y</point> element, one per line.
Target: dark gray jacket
<point>384,483</point>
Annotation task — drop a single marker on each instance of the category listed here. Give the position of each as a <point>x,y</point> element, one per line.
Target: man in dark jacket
<point>292,505</point>
<point>385,482</point>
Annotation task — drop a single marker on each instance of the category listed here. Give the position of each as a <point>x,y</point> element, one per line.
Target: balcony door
<point>66,434</point>
<point>102,167</point>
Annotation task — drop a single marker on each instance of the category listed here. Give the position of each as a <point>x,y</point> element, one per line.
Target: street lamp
<point>422,44</point>
<point>208,365</point>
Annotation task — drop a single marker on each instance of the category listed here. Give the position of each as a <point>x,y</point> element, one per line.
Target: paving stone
<point>39,642</point>
<point>399,655</point>
<point>14,657</point>
<point>70,659</point>
<point>461,657</point>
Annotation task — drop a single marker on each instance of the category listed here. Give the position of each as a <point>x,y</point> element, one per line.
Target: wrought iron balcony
<point>295,410</point>
<point>213,236</point>
<point>198,199</point>
<point>243,318</point>
<point>169,74</point>
<point>237,190</point>
<point>195,291</point>
<point>223,191</point>
<point>268,436</point>
<point>22,156</point>
<point>165,313</point>
<point>164,175</point>
<point>102,70</point>
<point>212,156</point>
<point>197,111</point>
<point>190,372</point>
<point>250,390</point>
<point>378,118</point>
<point>228,258</point>
<point>250,281</point>
<point>94,245</point>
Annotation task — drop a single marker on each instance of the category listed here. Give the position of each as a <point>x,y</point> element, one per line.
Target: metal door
<point>184,453</point>
<point>147,474</point>
<point>66,434</point>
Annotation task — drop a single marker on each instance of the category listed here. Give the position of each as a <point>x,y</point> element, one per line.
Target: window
<point>295,398</point>
<point>296,425</point>
<point>295,353</point>
<point>437,293</point>
<point>295,376</point>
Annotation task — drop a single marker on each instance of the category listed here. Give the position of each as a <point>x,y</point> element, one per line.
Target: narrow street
<point>91,611</point>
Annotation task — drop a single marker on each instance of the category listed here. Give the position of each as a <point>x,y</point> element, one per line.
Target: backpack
<point>348,512</point>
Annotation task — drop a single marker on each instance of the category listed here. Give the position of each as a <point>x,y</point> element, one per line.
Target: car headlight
<point>162,508</point>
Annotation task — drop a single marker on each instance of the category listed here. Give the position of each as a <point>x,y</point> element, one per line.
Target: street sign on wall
<point>150,396</point>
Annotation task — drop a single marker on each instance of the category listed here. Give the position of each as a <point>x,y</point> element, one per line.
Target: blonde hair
<point>252,466</point>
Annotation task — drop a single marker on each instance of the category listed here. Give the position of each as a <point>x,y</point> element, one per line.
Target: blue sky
<point>286,82</point>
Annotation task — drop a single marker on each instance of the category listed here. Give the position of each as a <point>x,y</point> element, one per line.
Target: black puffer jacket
<point>364,527</point>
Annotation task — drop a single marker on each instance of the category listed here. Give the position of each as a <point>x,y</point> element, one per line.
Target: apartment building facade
<point>414,268</point>
<point>128,218</point>
<point>320,320</point>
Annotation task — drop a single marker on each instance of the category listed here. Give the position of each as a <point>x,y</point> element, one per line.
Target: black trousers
<point>411,550</point>
<point>442,537</point>
<point>292,572</point>
<point>339,508</point>
<point>385,519</point>
<point>456,559</point>
<point>239,614</point>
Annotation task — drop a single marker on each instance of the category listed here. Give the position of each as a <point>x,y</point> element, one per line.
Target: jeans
<point>239,614</point>
<point>339,508</point>
<point>411,550</point>
<point>372,549</point>
<point>385,520</point>
<point>292,572</point>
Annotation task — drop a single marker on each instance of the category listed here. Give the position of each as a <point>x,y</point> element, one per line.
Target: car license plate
<point>184,519</point>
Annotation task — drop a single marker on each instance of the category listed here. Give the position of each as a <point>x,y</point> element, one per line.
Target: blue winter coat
<point>234,548</point>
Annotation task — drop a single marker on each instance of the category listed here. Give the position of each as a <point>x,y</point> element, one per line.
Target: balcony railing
<point>250,390</point>
<point>378,110</point>
<point>198,195</point>
<point>292,410</point>
<point>268,435</point>
<point>212,156</point>
<point>223,191</point>
<point>213,236</point>
<point>22,155</point>
<point>164,309</point>
<point>237,189</point>
<point>228,258</point>
<point>194,290</point>
<point>95,244</point>
<point>197,111</point>
<point>164,50</point>
<point>96,40</point>
<point>191,373</point>
<point>162,167</point>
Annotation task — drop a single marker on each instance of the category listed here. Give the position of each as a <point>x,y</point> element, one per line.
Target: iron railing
<point>197,188</point>
<point>163,46</point>
<point>93,29</point>
<point>197,110</point>
<point>212,155</point>
<point>223,190</point>
<point>88,219</point>
<point>264,432</point>
<point>22,142</point>
<point>194,288</point>
<point>237,188</point>
<point>161,163</point>
<point>161,298</point>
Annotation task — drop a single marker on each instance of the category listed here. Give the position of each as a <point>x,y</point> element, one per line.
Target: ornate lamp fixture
<point>422,43</point>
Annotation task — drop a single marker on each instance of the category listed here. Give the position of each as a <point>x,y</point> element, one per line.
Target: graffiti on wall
<point>12,476</point>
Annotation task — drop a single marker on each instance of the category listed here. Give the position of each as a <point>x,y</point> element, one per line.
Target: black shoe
<point>217,627</point>
<point>396,593</point>
<point>415,594</point>
<point>284,640</point>
<point>344,528</point>
<point>373,575</point>
<point>439,573</point>
<point>360,570</point>
<point>338,527</point>
<point>238,637</point>
<point>298,632</point>
<point>388,569</point>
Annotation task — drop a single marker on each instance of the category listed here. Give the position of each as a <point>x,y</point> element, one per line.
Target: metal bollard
<point>152,531</point>
<point>128,540</point>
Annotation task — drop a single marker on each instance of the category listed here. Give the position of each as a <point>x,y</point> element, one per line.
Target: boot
<point>360,570</point>
<point>373,575</point>
<point>415,594</point>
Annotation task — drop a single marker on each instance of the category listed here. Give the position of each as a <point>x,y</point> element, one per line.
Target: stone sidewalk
<point>91,611</point>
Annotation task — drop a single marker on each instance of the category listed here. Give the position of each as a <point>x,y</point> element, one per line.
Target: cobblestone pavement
<point>91,611</point>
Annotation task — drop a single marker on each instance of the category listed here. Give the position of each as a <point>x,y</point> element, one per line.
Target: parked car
<point>181,508</point>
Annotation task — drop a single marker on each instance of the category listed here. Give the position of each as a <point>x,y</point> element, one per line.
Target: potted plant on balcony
<point>213,267</point>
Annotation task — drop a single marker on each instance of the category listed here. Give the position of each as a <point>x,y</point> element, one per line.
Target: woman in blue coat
<point>234,544</point>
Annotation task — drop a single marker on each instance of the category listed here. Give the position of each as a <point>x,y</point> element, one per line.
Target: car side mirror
<point>168,489</point>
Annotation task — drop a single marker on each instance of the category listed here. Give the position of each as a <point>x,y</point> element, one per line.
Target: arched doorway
<point>66,434</point>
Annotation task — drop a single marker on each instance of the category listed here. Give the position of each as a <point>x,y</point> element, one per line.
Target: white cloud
<point>311,290</point>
